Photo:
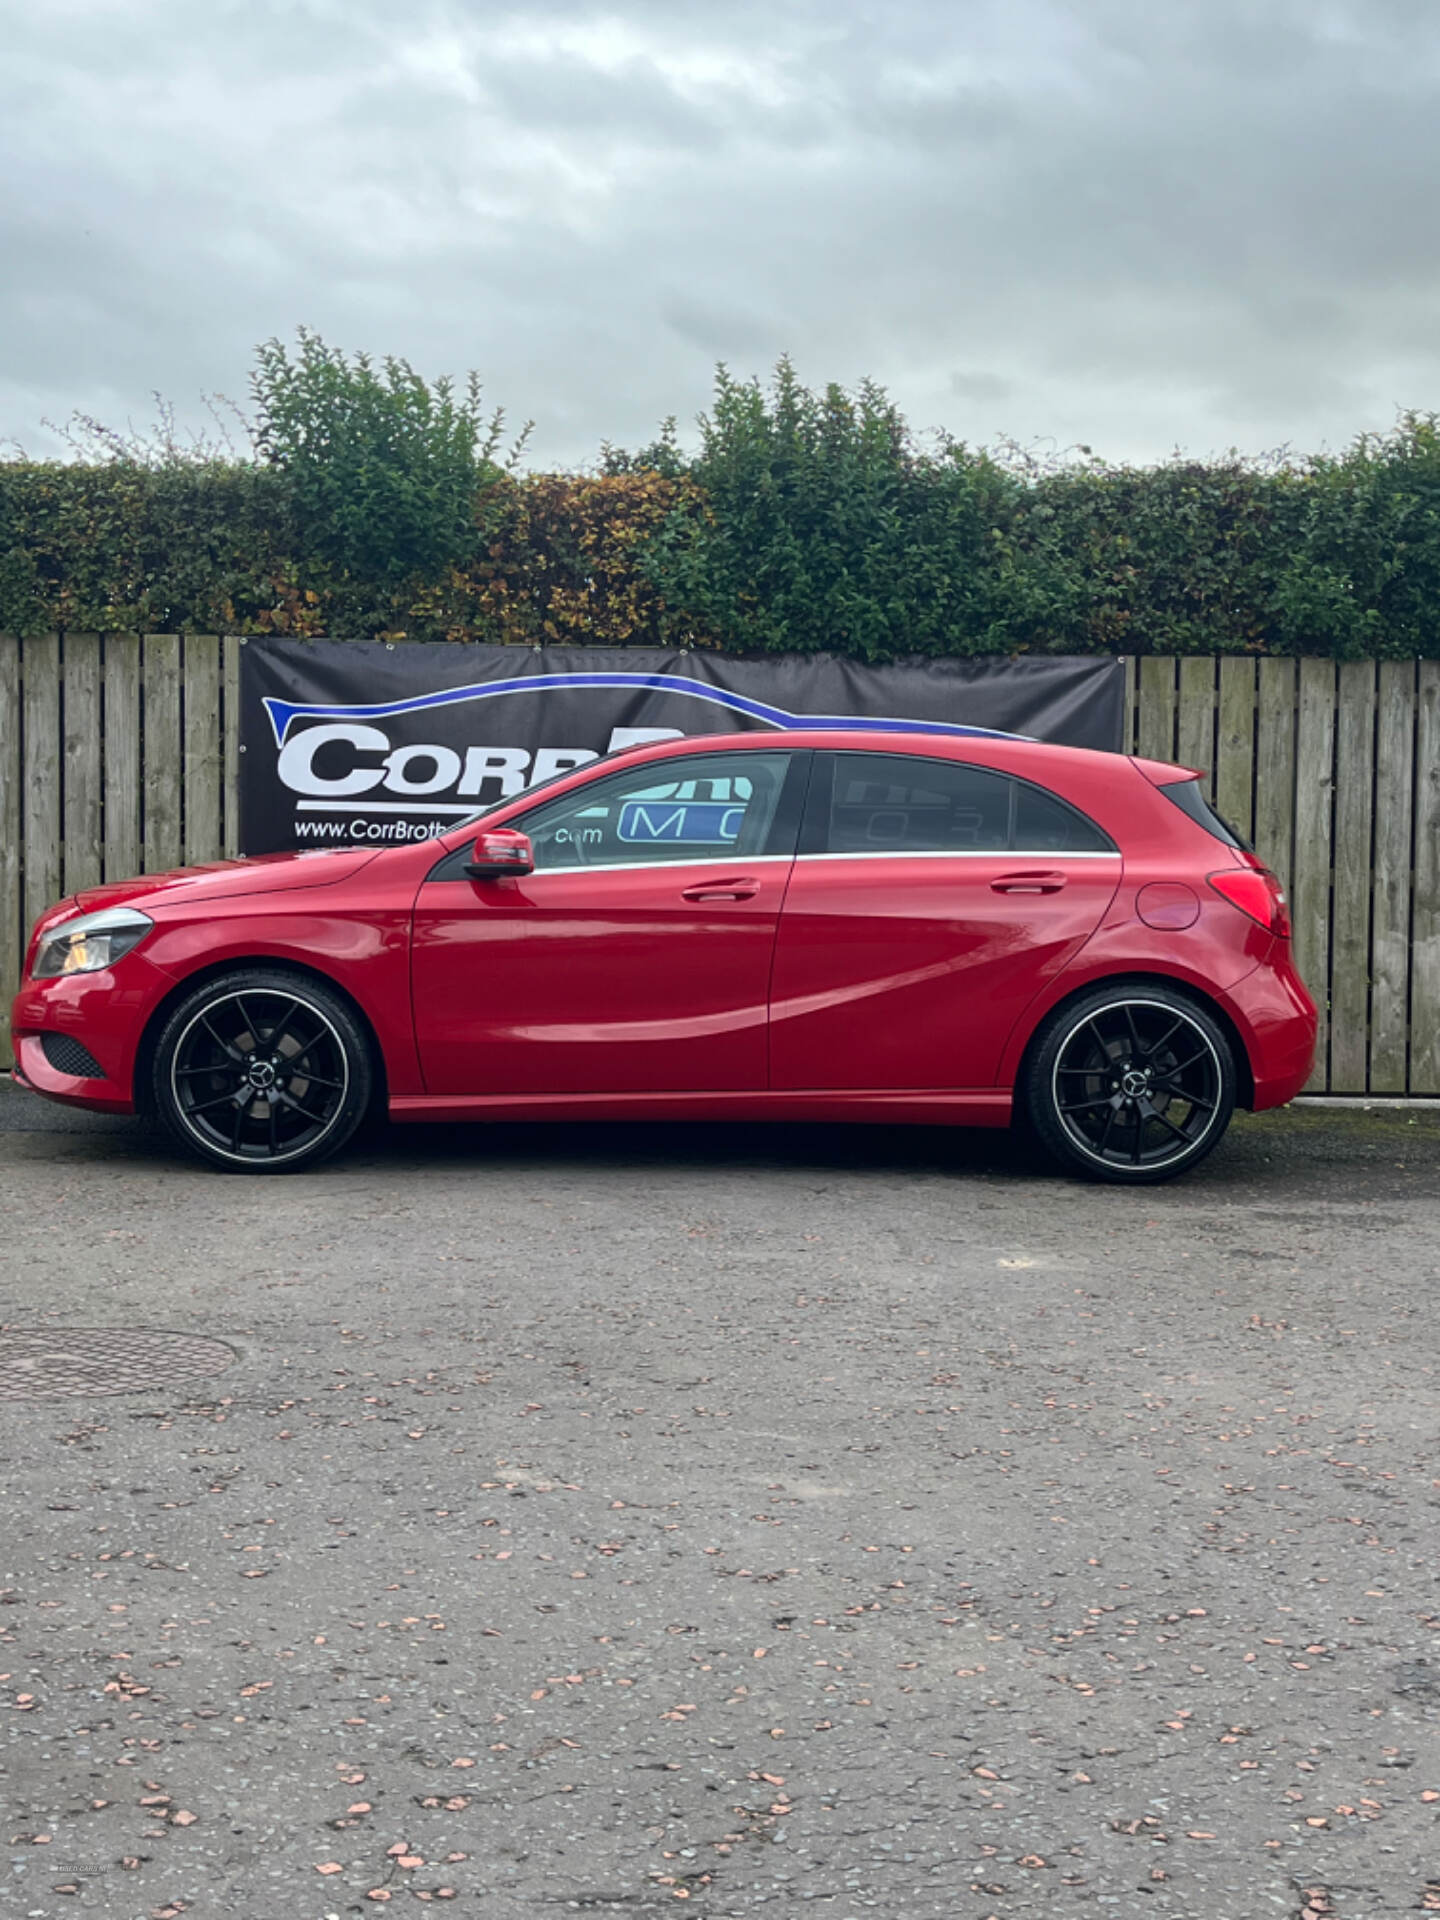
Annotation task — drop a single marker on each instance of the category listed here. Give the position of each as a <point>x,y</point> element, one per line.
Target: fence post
<point>1235,745</point>
<point>161,747</point>
<point>1314,796</point>
<point>83,764</point>
<point>1155,720</point>
<point>202,724</point>
<point>13,929</point>
<point>230,722</point>
<point>1390,962</point>
<point>1425,922</point>
<point>1350,907</point>
<point>1195,719</point>
<point>40,801</point>
<point>1275,767</point>
<point>122,756</point>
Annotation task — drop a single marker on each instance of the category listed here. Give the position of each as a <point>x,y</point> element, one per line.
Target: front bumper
<point>34,1072</point>
<point>107,1012</point>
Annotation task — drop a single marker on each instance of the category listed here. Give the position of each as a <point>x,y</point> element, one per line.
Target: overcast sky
<point>1132,223</point>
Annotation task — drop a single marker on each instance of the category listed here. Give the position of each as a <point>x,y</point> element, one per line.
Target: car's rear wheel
<point>261,1071</point>
<point>1133,1084</point>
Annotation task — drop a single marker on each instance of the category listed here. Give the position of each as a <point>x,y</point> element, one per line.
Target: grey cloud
<point>987,387</point>
<point>1206,223</point>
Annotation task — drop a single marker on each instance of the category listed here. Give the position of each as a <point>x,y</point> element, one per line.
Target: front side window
<point>715,806</point>
<point>894,803</point>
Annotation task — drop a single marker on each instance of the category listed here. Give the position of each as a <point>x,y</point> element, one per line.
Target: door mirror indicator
<point>500,851</point>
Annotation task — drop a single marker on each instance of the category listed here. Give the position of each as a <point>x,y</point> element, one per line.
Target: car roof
<point>1013,751</point>
<point>1110,786</point>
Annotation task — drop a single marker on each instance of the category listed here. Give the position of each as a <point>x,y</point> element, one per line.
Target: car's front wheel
<point>1133,1084</point>
<point>262,1071</point>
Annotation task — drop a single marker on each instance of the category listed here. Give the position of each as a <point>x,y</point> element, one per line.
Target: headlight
<point>89,942</point>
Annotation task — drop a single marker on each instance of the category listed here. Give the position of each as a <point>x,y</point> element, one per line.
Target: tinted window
<point>1045,824</point>
<point>717,806</point>
<point>1189,796</point>
<point>893,803</point>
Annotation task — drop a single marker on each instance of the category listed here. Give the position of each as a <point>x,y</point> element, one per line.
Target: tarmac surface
<point>799,1520</point>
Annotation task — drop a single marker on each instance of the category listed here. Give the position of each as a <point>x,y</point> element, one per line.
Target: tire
<point>262,1071</point>
<point>1131,1084</point>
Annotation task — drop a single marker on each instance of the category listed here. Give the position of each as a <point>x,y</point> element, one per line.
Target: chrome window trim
<point>965,853</point>
<point>736,861</point>
<point>785,859</point>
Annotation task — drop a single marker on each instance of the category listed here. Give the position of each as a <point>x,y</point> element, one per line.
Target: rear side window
<point>1045,824</point>
<point>899,803</point>
<point>1189,797</point>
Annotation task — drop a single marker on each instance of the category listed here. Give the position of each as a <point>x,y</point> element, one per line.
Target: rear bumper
<point>1277,1021</point>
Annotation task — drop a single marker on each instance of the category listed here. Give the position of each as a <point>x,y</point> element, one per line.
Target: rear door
<point>930,902</point>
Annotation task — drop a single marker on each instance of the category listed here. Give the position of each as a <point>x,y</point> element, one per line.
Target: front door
<point>636,958</point>
<point>930,902</point>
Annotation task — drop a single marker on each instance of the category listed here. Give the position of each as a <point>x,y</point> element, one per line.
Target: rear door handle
<point>1028,883</point>
<point>741,888</point>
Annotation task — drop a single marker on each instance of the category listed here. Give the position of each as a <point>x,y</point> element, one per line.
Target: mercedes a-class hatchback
<point>975,930</point>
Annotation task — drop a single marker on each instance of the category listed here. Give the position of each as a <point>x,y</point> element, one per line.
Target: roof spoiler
<point>1162,773</point>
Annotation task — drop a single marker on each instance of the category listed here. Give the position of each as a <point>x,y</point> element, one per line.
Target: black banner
<point>360,743</point>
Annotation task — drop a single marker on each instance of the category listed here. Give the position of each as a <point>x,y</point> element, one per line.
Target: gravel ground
<point>799,1520</point>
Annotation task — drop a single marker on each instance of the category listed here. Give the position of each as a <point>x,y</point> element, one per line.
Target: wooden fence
<point>1334,773</point>
<point>119,755</point>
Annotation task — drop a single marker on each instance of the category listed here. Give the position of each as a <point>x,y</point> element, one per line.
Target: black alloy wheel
<point>262,1072</point>
<point>1131,1085</point>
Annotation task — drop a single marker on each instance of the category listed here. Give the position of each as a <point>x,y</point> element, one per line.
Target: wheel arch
<point>1244,1070</point>
<point>238,963</point>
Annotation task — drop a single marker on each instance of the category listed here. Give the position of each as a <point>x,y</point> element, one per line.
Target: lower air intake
<point>66,1055</point>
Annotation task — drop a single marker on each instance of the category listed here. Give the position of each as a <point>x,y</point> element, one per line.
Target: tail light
<point>1256,891</point>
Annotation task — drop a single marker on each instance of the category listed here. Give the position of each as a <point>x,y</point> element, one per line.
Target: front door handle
<point>741,888</point>
<point>1028,883</point>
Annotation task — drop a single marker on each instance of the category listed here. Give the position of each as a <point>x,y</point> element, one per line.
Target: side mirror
<point>499,852</point>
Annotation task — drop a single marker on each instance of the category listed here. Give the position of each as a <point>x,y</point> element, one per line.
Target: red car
<point>821,926</point>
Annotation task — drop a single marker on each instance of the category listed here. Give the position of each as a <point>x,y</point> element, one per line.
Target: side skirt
<point>990,1107</point>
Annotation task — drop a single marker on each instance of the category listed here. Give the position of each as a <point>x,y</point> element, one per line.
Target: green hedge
<point>804,521</point>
